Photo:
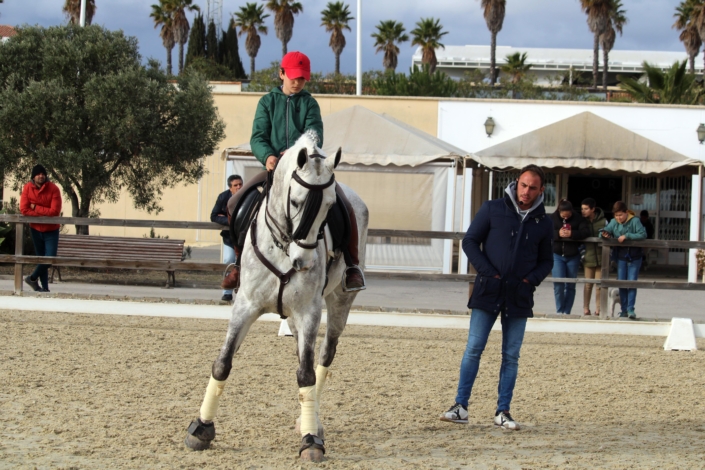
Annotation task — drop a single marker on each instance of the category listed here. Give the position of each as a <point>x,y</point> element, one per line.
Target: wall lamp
<point>700,131</point>
<point>489,128</point>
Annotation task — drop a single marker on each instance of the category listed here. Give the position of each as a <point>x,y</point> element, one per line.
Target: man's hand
<point>496,276</point>
<point>525,280</point>
<point>32,206</point>
<point>622,238</point>
<point>271,162</point>
<point>564,233</point>
<point>606,235</point>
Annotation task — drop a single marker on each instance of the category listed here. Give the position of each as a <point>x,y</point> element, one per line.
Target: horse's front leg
<point>312,447</point>
<point>201,431</point>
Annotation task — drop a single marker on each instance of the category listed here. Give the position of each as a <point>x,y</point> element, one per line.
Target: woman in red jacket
<point>40,197</point>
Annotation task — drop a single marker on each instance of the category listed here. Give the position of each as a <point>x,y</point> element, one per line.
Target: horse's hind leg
<point>201,431</point>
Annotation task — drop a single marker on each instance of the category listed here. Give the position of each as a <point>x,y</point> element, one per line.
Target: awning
<point>584,141</point>
<point>369,138</point>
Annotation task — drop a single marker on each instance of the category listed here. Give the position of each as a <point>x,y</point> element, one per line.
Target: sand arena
<point>101,391</point>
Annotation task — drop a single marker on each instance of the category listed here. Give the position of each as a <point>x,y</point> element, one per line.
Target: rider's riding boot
<point>353,279</point>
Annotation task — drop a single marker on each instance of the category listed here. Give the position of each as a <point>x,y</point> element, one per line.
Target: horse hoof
<point>312,449</point>
<point>199,435</point>
<point>297,428</point>
<point>312,455</point>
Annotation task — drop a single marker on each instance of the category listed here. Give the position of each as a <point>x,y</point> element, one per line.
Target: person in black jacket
<point>509,244</point>
<point>219,215</point>
<point>568,226</point>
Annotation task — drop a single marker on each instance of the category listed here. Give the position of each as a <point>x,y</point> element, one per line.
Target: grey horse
<point>283,268</point>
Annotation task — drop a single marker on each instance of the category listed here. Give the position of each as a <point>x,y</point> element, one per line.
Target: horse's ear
<point>302,158</point>
<point>338,154</point>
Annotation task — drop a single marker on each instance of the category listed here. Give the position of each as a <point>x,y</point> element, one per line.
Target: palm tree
<point>674,86</point>
<point>250,20</point>
<point>284,11</point>
<point>164,19</point>
<point>72,10</point>
<point>493,10</point>
<point>617,21</point>
<point>335,18</point>
<point>689,32</point>
<point>516,66</point>
<point>427,35</point>
<point>181,26</point>
<point>598,17</point>
<point>388,34</point>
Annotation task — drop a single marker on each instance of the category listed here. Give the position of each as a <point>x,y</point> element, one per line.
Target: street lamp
<point>489,128</point>
<point>701,133</point>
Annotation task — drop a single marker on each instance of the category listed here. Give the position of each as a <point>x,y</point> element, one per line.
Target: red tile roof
<point>7,31</point>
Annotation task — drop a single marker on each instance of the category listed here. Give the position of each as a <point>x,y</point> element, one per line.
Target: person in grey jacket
<point>509,244</point>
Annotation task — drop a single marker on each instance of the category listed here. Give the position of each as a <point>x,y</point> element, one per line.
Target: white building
<point>546,64</point>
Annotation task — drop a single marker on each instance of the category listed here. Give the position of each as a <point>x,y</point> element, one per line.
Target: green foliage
<point>675,86</point>
<point>516,66</point>
<point>231,52</point>
<point>332,83</point>
<point>212,43</point>
<point>79,101</point>
<point>7,232</point>
<point>196,40</point>
<point>420,82</point>
<point>211,70</point>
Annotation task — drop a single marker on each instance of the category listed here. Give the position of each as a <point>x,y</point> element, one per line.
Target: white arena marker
<point>682,336</point>
<point>284,329</point>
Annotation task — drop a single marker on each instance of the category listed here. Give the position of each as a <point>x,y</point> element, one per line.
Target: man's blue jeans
<point>512,336</point>
<point>564,292</point>
<point>228,257</point>
<point>45,244</point>
<point>628,271</point>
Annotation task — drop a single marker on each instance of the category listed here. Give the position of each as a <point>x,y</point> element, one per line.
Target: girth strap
<point>284,278</point>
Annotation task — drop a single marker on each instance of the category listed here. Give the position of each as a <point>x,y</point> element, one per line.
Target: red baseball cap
<point>296,65</point>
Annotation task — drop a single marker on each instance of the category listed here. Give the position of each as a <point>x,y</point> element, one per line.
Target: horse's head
<point>305,184</point>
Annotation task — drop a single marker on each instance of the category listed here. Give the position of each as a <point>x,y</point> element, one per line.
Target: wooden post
<point>19,242</point>
<point>604,300</point>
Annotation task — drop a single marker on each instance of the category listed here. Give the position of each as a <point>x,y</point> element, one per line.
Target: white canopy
<point>368,138</point>
<point>583,141</point>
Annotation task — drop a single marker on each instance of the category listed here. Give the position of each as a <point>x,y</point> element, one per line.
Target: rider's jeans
<point>481,323</point>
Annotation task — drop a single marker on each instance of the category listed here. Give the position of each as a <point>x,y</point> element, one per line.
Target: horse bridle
<point>286,235</point>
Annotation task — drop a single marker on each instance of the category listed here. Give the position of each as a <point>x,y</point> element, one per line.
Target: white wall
<point>461,123</point>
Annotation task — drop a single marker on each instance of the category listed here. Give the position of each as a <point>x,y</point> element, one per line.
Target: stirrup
<point>345,278</point>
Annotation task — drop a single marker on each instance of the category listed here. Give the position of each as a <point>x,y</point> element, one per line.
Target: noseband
<point>284,237</point>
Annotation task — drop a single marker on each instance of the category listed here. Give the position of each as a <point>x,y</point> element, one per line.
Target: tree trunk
<point>605,61</point>
<point>691,62</point>
<point>181,58</point>
<point>168,62</point>
<point>337,64</point>
<point>493,62</point>
<point>252,67</point>
<point>595,59</point>
<point>284,51</point>
<point>76,211</point>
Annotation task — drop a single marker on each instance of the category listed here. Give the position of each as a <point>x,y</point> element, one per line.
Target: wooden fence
<point>19,259</point>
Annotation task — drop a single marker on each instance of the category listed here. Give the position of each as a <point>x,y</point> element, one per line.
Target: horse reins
<point>285,236</point>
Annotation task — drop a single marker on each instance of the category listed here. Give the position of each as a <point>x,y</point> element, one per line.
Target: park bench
<point>121,249</point>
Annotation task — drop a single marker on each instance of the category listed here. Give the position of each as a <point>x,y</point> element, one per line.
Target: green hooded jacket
<point>632,230</point>
<point>593,251</point>
<point>280,120</point>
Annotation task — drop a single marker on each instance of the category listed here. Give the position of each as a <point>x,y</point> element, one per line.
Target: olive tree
<point>80,102</point>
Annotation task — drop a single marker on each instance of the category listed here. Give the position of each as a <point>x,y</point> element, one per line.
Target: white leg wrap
<point>307,400</point>
<point>210,401</point>
<point>322,374</point>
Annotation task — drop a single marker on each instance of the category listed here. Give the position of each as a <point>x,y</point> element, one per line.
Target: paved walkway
<point>406,296</point>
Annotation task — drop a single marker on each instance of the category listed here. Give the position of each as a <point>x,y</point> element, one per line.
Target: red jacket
<point>47,203</point>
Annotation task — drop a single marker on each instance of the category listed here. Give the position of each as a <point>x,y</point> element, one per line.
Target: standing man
<point>40,197</point>
<point>509,244</point>
<point>219,215</point>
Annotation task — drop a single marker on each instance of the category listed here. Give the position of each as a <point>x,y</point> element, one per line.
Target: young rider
<point>282,116</point>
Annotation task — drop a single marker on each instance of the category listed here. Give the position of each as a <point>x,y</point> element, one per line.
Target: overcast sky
<point>528,23</point>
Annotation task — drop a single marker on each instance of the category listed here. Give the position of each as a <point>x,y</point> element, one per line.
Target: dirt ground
<point>96,391</point>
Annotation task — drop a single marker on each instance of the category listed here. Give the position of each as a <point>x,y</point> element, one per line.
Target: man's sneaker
<point>456,414</point>
<point>44,289</point>
<point>34,284</point>
<point>623,315</point>
<point>632,315</point>
<point>227,297</point>
<point>505,421</point>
